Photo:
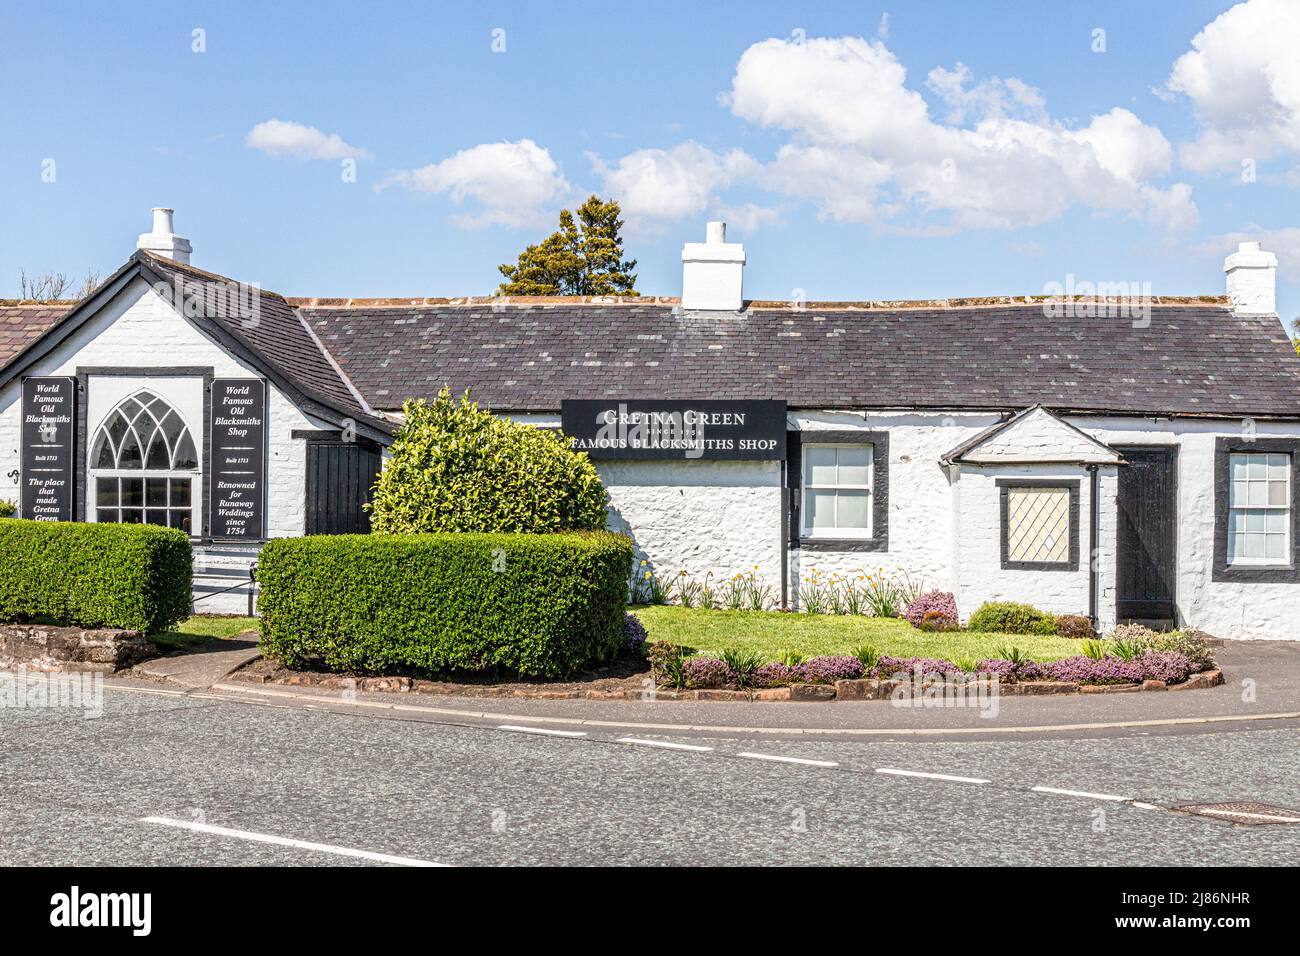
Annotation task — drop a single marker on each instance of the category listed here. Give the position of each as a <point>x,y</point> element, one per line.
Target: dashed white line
<point>1144,806</point>
<point>931,776</point>
<point>544,731</point>
<point>778,759</point>
<point>1081,793</point>
<point>665,744</point>
<point>285,841</point>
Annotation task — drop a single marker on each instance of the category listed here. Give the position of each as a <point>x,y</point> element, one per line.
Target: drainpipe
<point>783,526</point>
<point>1094,578</point>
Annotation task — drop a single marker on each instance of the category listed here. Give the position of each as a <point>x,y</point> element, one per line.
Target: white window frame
<point>193,475</point>
<point>805,530</point>
<point>1241,561</point>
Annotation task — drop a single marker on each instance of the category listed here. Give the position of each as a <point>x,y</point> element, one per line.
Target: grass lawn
<point>770,632</point>
<point>201,628</point>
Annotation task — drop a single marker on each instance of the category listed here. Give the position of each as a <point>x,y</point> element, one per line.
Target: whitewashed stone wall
<point>701,517</point>
<point>139,329</point>
<point>980,575</point>
<point>1228,609</point>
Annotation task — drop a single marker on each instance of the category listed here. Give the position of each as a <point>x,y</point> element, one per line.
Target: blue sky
<point>859,150</point>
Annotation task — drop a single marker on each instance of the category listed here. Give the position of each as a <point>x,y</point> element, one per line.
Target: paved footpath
<point>208,777</point>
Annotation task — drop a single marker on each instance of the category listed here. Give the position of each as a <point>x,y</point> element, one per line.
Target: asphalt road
<point>147,781</point>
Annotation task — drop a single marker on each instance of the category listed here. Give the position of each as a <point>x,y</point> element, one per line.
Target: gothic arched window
<point>143,464</point>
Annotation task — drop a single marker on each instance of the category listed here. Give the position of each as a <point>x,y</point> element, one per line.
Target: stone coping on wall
<point>51,648</point>
<point>266,672</point>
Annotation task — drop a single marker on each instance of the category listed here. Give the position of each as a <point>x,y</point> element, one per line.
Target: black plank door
<point>1145,563</point>
<point>339,479</point>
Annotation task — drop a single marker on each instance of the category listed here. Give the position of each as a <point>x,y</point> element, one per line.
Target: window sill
<point>1257,573</point>
<point>1040,566</point>
<point>843,544</point>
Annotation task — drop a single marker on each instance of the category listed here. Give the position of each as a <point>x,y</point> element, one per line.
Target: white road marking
<point>667,745</point>
<point>931,776</point>
<point>252,692</point>
<point>515,728</point>
<point>1144,806</point>
<point>800,760</point>
<point>1253,816</point>
<point>285,841</point>
<point>1082,793</point>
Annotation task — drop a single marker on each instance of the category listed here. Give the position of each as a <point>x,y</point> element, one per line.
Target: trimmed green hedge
<point>132,576</point>
<point>1011,618</point>
<point>532,605</point>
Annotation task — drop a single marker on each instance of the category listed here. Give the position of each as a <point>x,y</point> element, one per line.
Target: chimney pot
<point>713,272</point>
<point>1252,279</point>
<point>162,239</point>
<point>162,220</point>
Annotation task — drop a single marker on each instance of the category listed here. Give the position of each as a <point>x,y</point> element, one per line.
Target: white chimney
<point>162,241</point>
<point>1252,280</point>
<point>712,272</point>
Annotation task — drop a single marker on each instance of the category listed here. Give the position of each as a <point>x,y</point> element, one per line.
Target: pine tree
<point>582,257</point>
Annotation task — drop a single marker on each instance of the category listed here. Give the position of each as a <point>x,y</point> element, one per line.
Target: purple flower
<point>1172,667</point>
<point>1009,670</point>
<point>634,633</point>
<point>704,672</point>
<point>887,667</point>
<point>1086,670</point>
<point>775,674</point>
<point>827,670</point>
<point>940,601</point>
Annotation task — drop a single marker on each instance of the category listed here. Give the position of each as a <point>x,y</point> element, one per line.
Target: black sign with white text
<point>237,477</point>
<point>49,448</point>
<point>705,430</point>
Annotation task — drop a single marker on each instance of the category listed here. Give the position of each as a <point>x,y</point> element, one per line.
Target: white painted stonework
<point>1036,437</point>
<point>139,330</point>
<point>945,522</point>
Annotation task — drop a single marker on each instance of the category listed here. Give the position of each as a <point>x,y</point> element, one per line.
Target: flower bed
<point>1139,660</point>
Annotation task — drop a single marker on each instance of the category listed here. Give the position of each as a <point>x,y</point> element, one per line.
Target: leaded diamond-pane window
<point>1038,524</point>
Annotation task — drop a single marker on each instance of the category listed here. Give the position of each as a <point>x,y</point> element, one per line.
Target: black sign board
<point>237,476</point>
<point>49,448</point>
<point>708,430</point>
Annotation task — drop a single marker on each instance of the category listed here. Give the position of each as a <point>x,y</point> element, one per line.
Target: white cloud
<point>1242,77</point>
<point>864,148</point>
<point>297,141</point>
<point>514,184</point>
<point>667,184</point>
<point>1284,243</point>
<point>994,97</point>
<point>746,218</point>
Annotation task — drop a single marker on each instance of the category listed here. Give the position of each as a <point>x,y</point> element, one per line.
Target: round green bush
<point>1011,618</point>
<point>457,468</point>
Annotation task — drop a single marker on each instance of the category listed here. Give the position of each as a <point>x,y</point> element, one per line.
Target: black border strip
<point>206,372</point>
<point>879,440</point>
<point>1262,574</point>
<point>1006,484</point>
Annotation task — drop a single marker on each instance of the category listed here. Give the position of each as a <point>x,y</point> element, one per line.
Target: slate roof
<point>23,323</point>
<point>1193,359</point>
<point>276,334</point>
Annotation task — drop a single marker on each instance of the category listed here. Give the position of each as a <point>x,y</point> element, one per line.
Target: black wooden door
<point>1145,563</point>
<point>339,479</point>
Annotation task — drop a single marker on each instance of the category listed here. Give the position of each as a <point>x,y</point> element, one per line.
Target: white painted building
<point>1124,459</point>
